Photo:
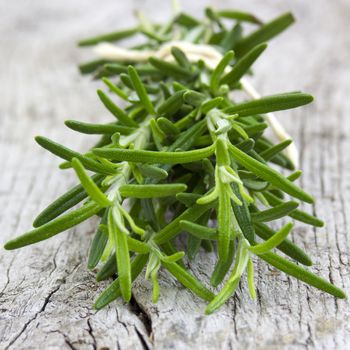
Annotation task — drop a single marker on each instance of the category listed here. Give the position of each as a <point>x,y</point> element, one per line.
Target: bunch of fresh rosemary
<point>183,156</point>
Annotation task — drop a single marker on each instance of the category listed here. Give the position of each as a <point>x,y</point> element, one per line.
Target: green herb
<point>181,150</point>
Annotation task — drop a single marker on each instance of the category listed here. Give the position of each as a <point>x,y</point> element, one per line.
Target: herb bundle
<point>184,156</point>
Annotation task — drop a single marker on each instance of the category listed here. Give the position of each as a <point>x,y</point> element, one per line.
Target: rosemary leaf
<point>189,281</point>
<point>219,70</point>
<point>123,257</point>
<point>151,191</point>
<point>277,212</point>
<point>68,200</point>
<point>114,291</point>
<point>171,105</point>
<point>264,33</point>
<point>272,151</point>
<point>199,231</point>
<point>113,36</point>
<point>140,90</point>
<point>295,214</point>
<point>54,227</point>
<point>269,175</point>
<point>172,229</point>
<point>68,154</point>
<point>98,244</point>
<point>239,15</point>
<point>114,88</point>
<point>273,241</point>
<point>287,246</point>
<point>271,103</point>
<point>242,65</point>
<point>154,156</point>
<point>302,274</point>
<point>115,110</point>
<point>90,187</point>
<point>171,69</point>
<point>108,270</point>
<point>98,129</point>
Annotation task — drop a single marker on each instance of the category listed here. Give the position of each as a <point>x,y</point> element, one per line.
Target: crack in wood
<point>142,339</point>
<point>139,311</point>
<point>90,330</point>
<point>42,309</point>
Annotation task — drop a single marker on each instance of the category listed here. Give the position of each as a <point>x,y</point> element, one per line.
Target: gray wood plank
<point>46,293</point>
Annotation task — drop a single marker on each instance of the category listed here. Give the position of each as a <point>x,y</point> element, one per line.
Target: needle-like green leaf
<point>211,104</point>
<point>173,228</point>
<point>171,69</point>
<point>115,110</point>
<point>273,241</point>
<point>223,266</point>
<point>154,156</point>
<point>98,244</point>
<point>264,33</point>
<point>302,274</point>
<point>194,98</point>
<point>68,200</point>
<point>219,70</point>
<point>181,58</point>
<point>189,281</point>
<point>114,291</point>
<point>98,129</point>
<point>108,270</point>
<point>91,66</point>
<point>189,199</point>
<point>140,90</point>
<point>89,185</point>
<point>224,222</point>
<point>231,284</point>
<point>114,88</point>
<point>168,127</point>
<point>199,231</point>
<point>277,212</point>
<point>242,65</point>
<point>239,16</point>
<point>55,226</point>
<point>269,104</point>
<point>123,257</point>
<point>295,214</point>
<point>287,246</point>
<point>152,171</point>
<point>171,105</point>
<point>250,277</point>
<point>137,246</point>
<point>272,151</point>
<point>242,215</point>
<point>269,175</point>
<point>113,36</point>
<point>151,191</point>
<point>187,20</point>
<point>68,154</point>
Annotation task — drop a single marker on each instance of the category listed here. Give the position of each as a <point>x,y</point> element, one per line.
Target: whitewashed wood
<point>46,292</point>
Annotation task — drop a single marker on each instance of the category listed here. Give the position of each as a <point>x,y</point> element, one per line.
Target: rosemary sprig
<point>182,150</point>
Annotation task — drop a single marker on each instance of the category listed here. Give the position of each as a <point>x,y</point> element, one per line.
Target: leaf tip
<point>39,139</point>
<point>7,245</point>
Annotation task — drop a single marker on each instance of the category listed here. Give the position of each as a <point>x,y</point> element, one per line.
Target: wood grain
<point>46,292</point>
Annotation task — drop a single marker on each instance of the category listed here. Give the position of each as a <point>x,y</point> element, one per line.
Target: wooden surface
<point>46,292</point>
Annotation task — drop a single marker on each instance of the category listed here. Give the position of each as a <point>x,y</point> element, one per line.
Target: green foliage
<point>181,150</point>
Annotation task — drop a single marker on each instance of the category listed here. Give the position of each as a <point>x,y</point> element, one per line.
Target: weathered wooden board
<point>46,292</point>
